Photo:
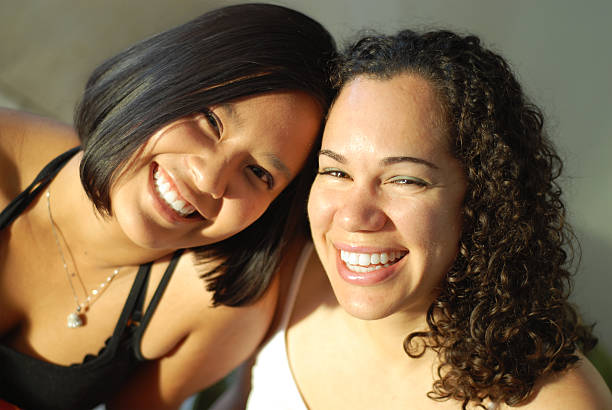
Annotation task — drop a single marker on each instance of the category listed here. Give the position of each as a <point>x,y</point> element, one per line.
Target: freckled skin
<point>403,205</point>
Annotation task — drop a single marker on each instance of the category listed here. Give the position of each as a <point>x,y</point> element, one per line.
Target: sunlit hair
<point>223,55</point>
<point>502,319</point>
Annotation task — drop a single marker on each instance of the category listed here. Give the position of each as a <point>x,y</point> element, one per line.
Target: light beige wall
<point>559,49</point>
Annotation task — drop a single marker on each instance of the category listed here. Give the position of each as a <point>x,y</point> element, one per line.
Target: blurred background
<point>559,49</point>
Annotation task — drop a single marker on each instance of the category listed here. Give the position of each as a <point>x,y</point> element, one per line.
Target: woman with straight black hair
<point>184,163</point>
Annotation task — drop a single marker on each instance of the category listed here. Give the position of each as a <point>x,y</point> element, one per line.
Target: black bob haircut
<point>222,55</point>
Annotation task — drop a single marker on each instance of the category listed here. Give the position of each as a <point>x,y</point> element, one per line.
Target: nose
<point>360,211</point>
<point>210,175</point>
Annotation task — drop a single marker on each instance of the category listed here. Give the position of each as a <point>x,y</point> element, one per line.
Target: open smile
<point>173,204</point>
<point>368,262</point>
<point>368,268</point>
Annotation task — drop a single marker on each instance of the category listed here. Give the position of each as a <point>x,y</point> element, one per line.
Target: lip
<point>163,208</point>
<point>363,249</point>
<point>364,278</point>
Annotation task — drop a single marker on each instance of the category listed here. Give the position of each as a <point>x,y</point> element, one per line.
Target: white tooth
<point>159,179</point>
<point>156,174</point>
<point>188,209</point>
<point>164,187</point>
<point>372,261</point>
<point>363,269</point>
<point>375,258</point>
<point>384,258</point>
<point>364,259</point>
<point>170,196</point>
<point>178,204</point>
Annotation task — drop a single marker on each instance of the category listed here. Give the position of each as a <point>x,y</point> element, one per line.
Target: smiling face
<point>385,208</point>
<point>203,178</point>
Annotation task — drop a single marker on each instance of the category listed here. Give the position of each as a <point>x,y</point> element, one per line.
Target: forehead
<point>393,112</point>
<point>274,108</point>
<point>278,127</point>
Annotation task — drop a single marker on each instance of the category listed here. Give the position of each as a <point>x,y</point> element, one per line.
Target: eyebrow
<point>279,165</point>
<point>229,109</point>
<point>385,161</point>
<point>272,158</point>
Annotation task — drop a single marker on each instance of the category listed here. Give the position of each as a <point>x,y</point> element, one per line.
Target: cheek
<point>434,229</point>
<point>236,215</point>
<point>444,240</point>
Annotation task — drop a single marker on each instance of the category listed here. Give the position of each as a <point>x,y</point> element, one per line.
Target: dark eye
<point>408,181</point>
<point>213,121</point>
<point>333,172</point>
<point>263,175</point>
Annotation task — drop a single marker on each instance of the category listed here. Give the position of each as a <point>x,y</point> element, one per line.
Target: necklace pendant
<point>74,320</point>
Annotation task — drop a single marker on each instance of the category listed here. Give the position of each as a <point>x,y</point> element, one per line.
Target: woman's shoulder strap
<point>23,200</point>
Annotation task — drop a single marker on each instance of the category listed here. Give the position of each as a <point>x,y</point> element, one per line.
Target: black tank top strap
<point>159,292</point>
<point>131,305</point>
<point>138,312</point>
<point>21,202</point>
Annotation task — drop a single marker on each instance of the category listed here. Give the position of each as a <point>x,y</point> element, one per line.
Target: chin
<point>166,240</point>
<point>366,307</point>
<point>364,314</point>
<point>147,235</point>
<point>147,240</point>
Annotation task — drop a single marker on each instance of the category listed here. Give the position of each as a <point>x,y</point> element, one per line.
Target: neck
<point>386,334</point>
<point>95,241</point>
<point>389,333</point>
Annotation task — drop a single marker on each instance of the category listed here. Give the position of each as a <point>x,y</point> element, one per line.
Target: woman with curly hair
<point>438,222</point>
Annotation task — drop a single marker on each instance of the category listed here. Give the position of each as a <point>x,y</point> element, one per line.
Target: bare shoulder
<point>190,343</point>
<point>245,319</point>
<point>27,143</point>
<point>220,335</point>
<point>580,387</point>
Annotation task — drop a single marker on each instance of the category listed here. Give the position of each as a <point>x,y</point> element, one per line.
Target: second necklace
<point>77,318</point>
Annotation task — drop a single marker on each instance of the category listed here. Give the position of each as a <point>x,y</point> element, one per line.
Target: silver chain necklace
<point>77,318</point>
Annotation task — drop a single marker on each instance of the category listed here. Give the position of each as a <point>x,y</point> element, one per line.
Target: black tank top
<point>31,383</point>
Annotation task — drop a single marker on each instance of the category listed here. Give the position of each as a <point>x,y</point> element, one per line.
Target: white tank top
<point>272,383</point>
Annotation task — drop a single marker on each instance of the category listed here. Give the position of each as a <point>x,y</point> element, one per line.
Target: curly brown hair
<point>502,319</point>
